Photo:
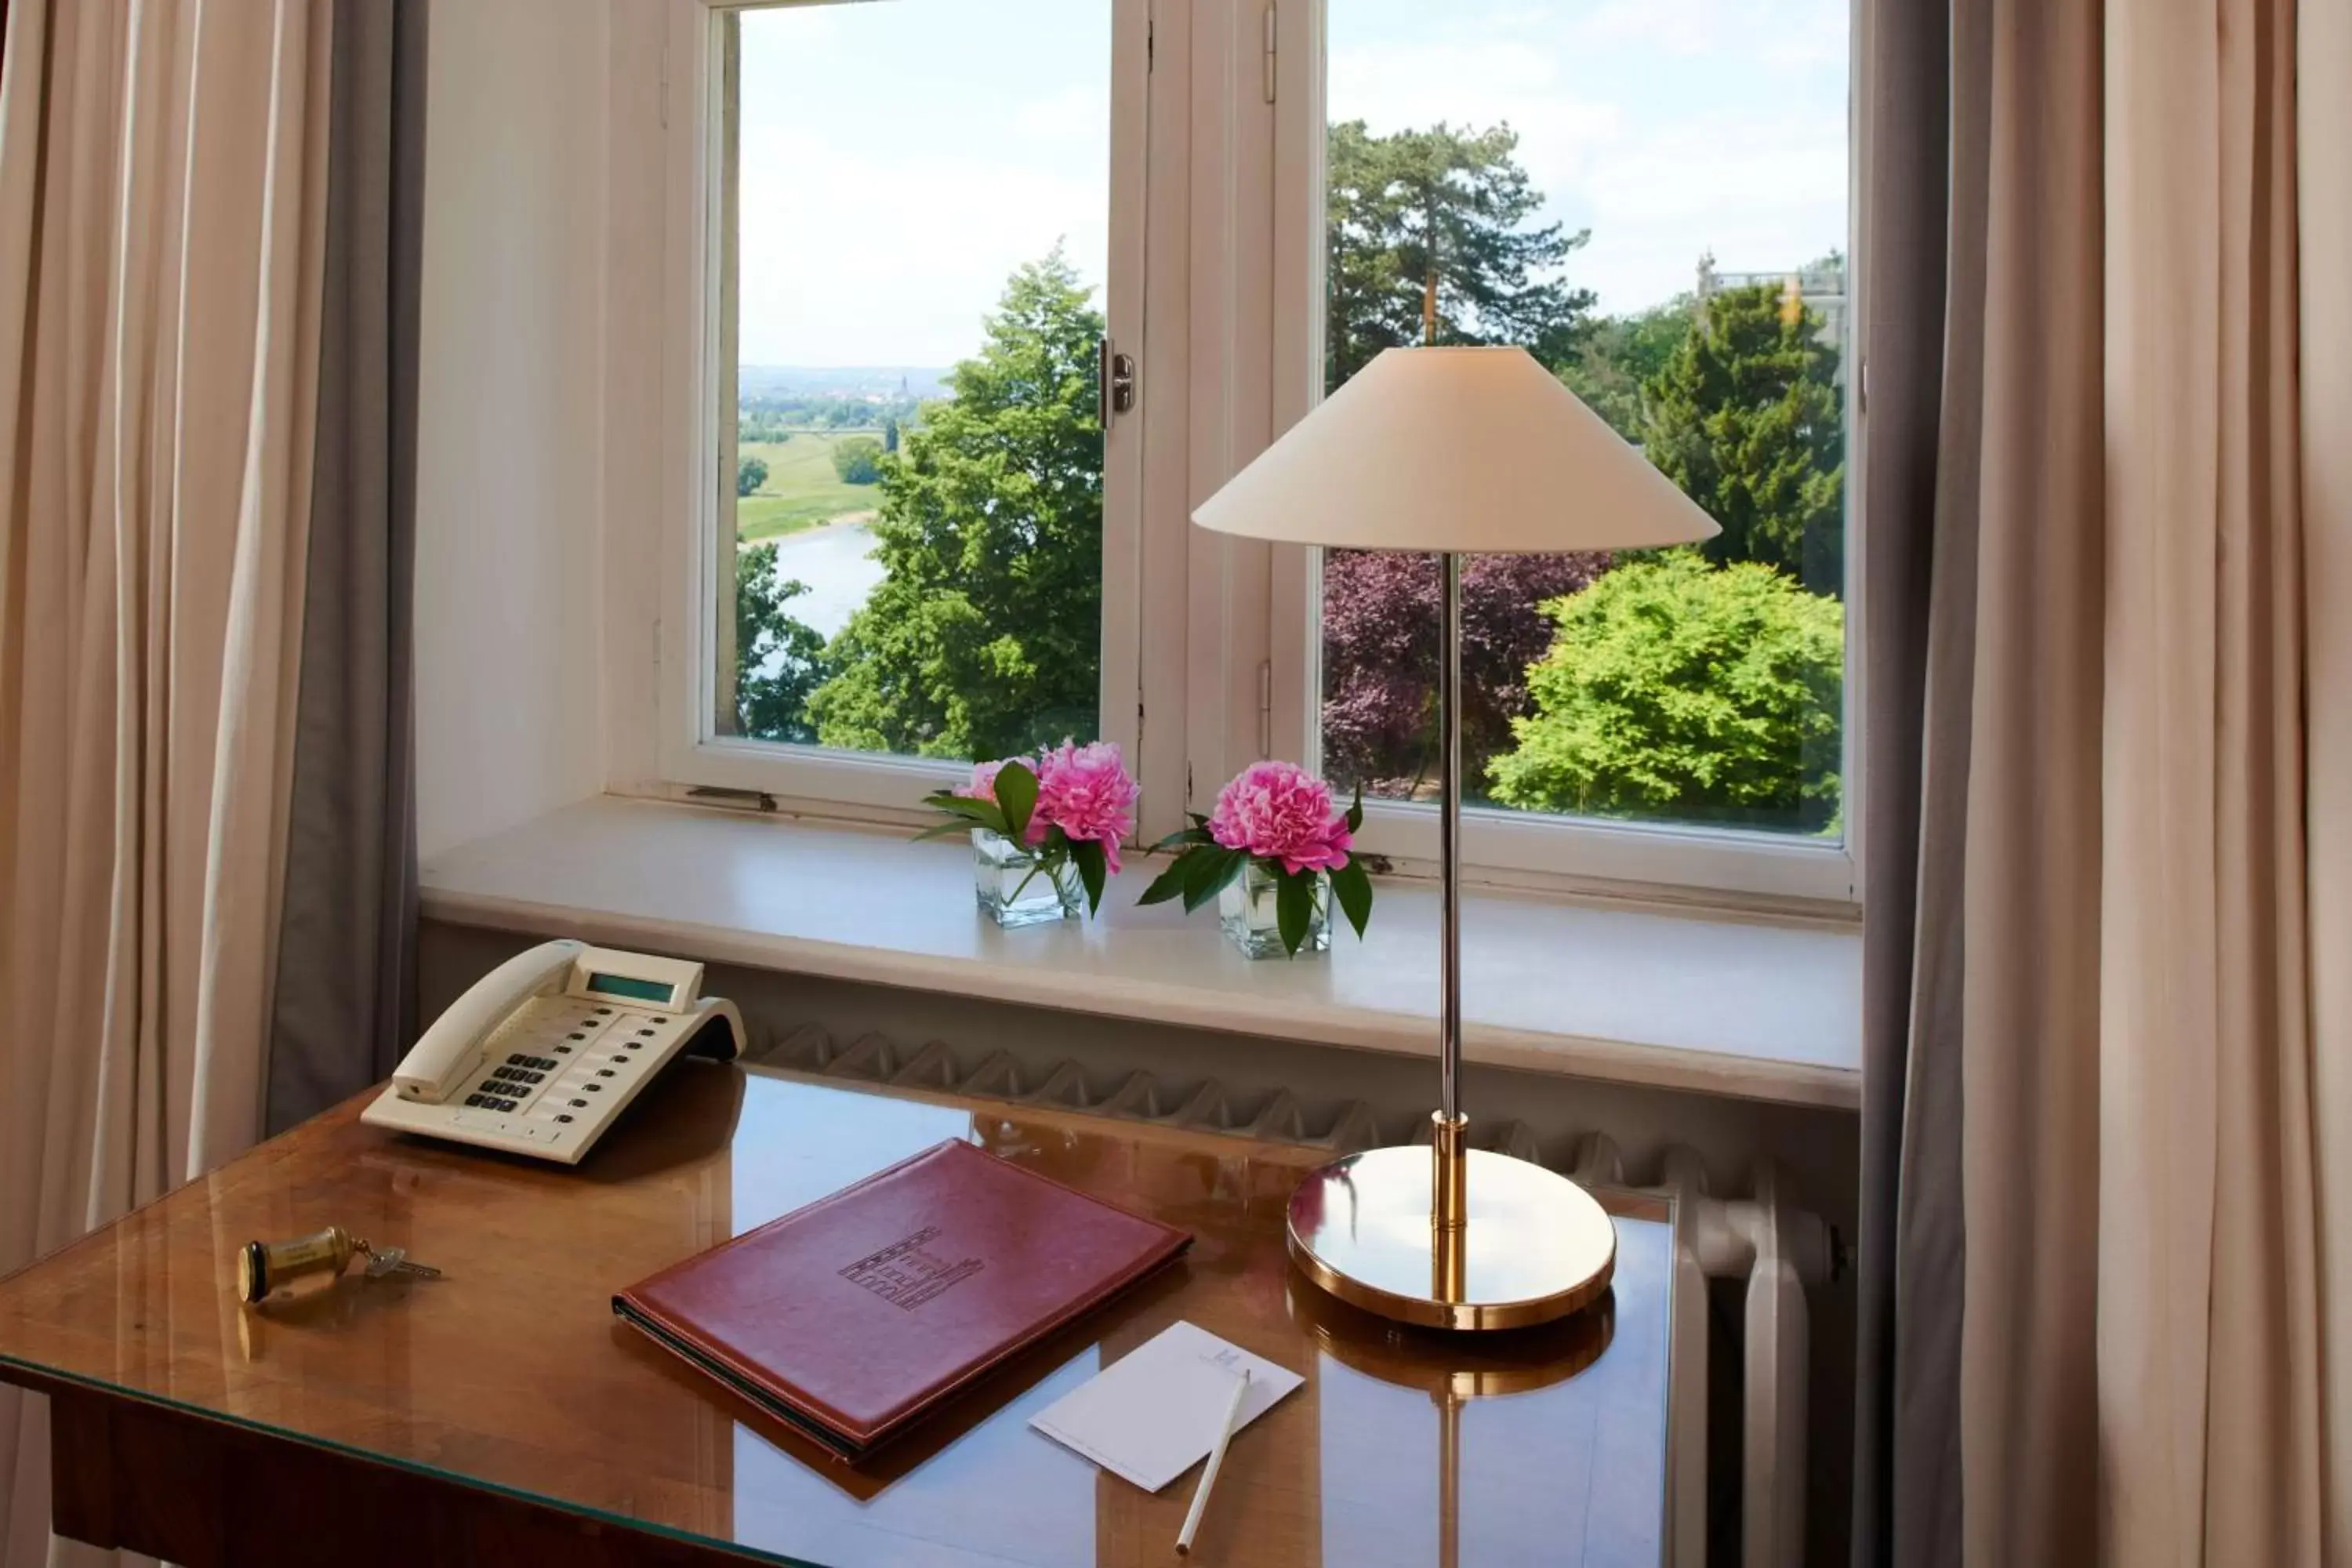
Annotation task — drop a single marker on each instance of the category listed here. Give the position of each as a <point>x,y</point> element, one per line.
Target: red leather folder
<point>853,1318</point>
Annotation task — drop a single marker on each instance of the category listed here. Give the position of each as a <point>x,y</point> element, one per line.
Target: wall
<point>512,415</point>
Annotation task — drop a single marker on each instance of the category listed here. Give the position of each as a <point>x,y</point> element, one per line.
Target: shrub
<point>1681,690</point>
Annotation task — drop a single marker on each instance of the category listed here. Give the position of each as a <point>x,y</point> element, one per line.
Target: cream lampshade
<point>1454,451</point>
<point>1479,451</point>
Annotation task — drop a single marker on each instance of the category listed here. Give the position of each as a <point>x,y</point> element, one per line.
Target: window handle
<point>1117,382</point>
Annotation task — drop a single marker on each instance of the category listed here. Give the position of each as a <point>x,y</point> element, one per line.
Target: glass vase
<point>1246,910</point>
<point>1014,890</point>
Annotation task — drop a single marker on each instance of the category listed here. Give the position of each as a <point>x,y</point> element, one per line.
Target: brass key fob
<point>263,1265</point>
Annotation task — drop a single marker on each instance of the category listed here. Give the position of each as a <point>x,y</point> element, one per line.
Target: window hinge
<point>1115,384</point>
<point>1861,387</point>
<point>1151,44</point>
<point>1269,54</point>
<point>1265,708</point>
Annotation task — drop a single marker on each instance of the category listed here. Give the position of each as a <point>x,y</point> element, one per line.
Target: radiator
<point>1776,1249</point>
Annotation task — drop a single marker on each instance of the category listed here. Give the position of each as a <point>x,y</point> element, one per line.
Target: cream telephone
<point>551,1046</point>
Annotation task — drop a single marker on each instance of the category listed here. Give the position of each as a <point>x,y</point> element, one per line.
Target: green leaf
<point>982,813</point>
<point>1189,836</point>
<point>1294,906</point>
<point>1170,882</point>
<point>1017,793</point>
<point>1211,870</point>
<point>1354,890</point>
<point>1093,869</point>
<point>1356,812</point>
<point>943,829</point>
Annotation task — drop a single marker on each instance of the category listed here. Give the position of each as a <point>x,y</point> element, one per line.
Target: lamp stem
<point>1449,836</point>
<point>1449,1202</point>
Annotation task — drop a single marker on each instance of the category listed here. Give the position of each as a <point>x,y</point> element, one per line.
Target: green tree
<point>1684,690</point>
<point>779,661</point>
<point>984,636</point>
<point>1428,243</point>
<point>751,473</point>
<point>891,434</point>
<point>1616,354</point>
<point>1747,417</point>
<point>858,460</point>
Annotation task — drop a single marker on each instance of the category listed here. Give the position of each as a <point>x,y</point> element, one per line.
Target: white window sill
<point>1757,1011</point>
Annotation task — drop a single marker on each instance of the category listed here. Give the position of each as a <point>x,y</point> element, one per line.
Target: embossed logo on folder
<point>906,1274</point>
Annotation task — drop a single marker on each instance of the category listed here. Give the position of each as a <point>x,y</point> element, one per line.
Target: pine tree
<point>984,636</point>
<point>1427,244</point>
<point>1616,354</point>
<point>1748,419</point>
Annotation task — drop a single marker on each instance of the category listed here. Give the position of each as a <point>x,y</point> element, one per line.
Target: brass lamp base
<point>1531,1246</point>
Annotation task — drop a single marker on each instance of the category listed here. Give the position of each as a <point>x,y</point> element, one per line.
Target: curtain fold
<point>2323,212</point>
<point>342,1011</point>
<point>2090,1154</point>
<point>208,231</point>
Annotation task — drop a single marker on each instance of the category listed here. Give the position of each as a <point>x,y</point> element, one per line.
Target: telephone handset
<point>545,1051</point>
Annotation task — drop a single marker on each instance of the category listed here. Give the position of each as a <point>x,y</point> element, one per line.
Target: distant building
<point>1820,289</point>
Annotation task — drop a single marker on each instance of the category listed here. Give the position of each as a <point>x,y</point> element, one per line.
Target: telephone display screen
<point>623,985</point>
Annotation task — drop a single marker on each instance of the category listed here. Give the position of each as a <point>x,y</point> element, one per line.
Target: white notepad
<point>1153,1414</point>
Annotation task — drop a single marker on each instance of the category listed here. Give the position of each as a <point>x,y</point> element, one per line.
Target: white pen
<point>1216,1457</point>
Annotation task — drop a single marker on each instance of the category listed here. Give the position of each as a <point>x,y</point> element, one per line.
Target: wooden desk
<point>501,1413</point>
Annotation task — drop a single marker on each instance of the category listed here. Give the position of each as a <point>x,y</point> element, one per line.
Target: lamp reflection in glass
<point>1452,1372</point>
<point>1453,451</point>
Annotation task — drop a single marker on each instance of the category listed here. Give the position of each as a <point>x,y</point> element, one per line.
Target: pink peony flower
<point>982,784</point>
<point>1088,792</point>
<point>1279,811</point>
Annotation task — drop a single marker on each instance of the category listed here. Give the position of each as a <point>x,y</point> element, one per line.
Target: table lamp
<point>1455,452</point>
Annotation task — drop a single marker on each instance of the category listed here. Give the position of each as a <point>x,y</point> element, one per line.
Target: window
<point>1653,199</point>
<point>916,231</point>
<point>910,229</point>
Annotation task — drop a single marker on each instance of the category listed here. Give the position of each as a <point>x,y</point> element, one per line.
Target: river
<point>839,569</point>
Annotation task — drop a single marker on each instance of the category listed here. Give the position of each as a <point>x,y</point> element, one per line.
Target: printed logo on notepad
<point>906,1274</point>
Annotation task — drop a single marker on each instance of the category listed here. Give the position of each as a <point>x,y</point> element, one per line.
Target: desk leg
<point>121,1478</point>
<point>81,1470</point>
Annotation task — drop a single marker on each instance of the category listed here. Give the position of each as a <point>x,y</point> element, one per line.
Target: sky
<point>900,158</point>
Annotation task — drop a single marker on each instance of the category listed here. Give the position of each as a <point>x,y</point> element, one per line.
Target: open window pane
<point>1652,199</point>
<point>912,243</point>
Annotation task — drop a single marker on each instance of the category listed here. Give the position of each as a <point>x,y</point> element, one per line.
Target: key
<point>265,1267</point>
<point>385,1262</point>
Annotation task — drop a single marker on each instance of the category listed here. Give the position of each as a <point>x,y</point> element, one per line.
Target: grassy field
<point>801,489</point>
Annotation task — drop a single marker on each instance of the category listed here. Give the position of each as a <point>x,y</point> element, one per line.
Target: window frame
<point>697,311</point>
<point>1211,652</point>
<point>1502,846</point>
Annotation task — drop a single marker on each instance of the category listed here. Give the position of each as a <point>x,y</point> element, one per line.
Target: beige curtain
<point>2209,1236</point>
<point>2111,1024</point>
<point>2323,214</point>
<point>162,196</point>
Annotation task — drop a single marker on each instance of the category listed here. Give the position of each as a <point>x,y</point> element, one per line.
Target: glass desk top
<point>1403,1446</point>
